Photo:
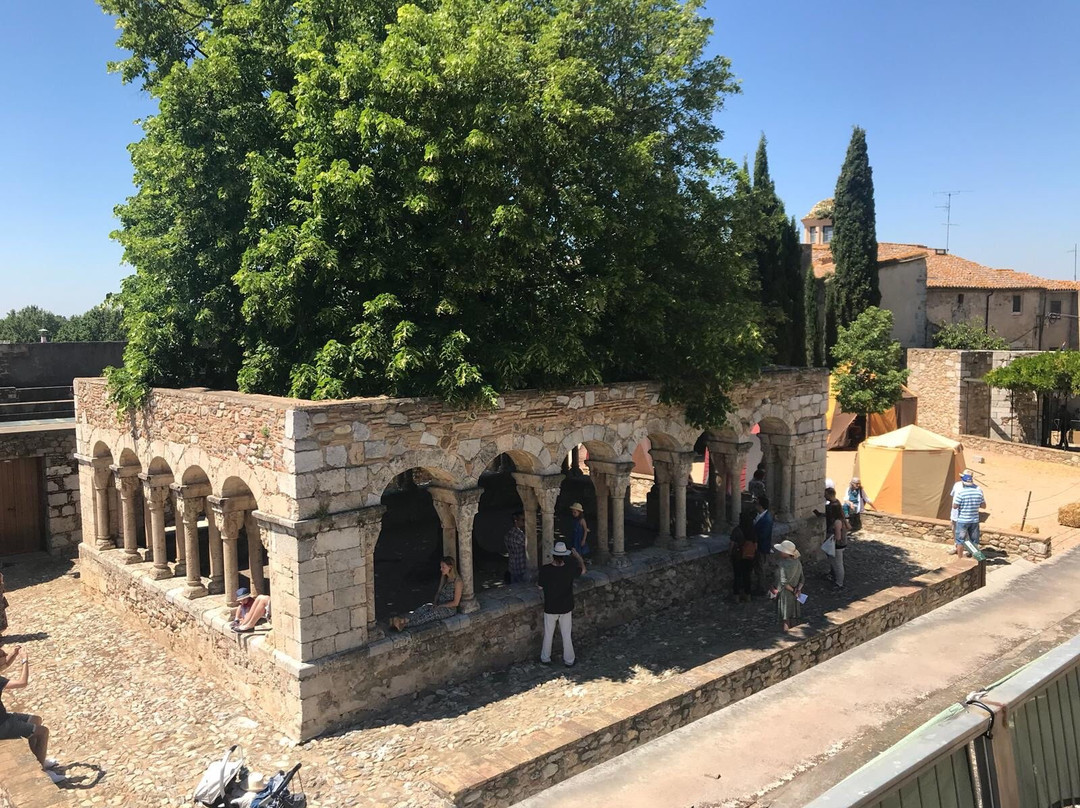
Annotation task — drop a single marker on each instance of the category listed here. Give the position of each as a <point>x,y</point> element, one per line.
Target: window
<point>1017,304</point>
<point>960,299</point>
<point>826,233</point>
<point>813,235</point>
<point>1055,307</point>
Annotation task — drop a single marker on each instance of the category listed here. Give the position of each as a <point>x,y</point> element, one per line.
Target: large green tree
<point>777,260</point>
<point>450,198</point>
<point>868,362</point>
<point>103,322</point>
<point>23,325</point>
<point>854,240</point>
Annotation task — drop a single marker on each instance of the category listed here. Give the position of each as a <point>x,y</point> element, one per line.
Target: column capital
<point>364,518</point>
<point>460,497</point>
<point>96,463</point>
<point>125,471</point>
<point>192,490</point>
<point>188,508</point>
<point>540,482</point>
<point>225,505</point>
<point>127,485</point>
<point>156,489</point>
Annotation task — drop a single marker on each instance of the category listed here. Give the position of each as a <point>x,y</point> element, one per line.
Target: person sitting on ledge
<point>249,611</point>
<point>447,598</point>
<point>23,725</point>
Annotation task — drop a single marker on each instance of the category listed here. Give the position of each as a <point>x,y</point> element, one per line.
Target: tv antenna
<point>947,207</point>
<point>1073,251</point>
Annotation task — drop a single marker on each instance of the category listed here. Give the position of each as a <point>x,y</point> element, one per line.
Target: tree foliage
<point>451,199</point>
<point>854,239</point>
<point>965,336</point>
<point>869,363</point>
<point>102,323</point>
<point>814,341</point>
<point>1051,372</point>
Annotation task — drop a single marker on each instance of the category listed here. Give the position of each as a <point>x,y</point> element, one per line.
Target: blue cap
<point>242,593</point>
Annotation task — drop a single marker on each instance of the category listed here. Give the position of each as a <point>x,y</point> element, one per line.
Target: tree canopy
<point>966,336</point>
<point>854,239</point>
<point>1050,372</point>
<point>451,198</point>
<point>869,371</point>
<point>102,323</point>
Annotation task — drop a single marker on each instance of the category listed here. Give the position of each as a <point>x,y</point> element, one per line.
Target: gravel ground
<point>134,727</point>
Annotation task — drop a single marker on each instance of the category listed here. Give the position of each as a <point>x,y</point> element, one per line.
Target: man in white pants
<point>557,581</point>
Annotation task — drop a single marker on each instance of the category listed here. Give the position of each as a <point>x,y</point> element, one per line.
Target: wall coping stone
<point>1026,451</point>
<point>988,536</point>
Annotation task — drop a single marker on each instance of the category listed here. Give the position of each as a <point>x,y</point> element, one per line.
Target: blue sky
<point>976,97</point>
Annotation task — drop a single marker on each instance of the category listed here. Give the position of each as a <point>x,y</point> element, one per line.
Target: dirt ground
<point>1006,482</point>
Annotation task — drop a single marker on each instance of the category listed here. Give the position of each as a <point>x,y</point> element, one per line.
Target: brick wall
<point>550,756</point>
<point>60,485</point>
<point>1026,545</point>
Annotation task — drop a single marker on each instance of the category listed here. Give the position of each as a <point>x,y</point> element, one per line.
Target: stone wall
<point>55,447</point>
<point>976,444</point>
<point>55,364</point>
<point>550,756</point>
<point>22,782</point>
<point>1032,547</point>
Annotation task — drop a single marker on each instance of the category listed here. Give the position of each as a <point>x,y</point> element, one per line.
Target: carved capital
<point>188,508</point>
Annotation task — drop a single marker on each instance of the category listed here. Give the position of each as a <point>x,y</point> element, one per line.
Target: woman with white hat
<point>789,583</point>
<point>579,530</point>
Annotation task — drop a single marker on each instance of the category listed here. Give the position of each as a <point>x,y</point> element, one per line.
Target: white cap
<point>829,483</point>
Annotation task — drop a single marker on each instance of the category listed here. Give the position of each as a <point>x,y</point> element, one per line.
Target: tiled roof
<point>946,271</point>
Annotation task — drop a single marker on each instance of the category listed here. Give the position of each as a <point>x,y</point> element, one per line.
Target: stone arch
<point>527,451</point>
<point>444,467</point>
<point>194,475</point>
<point>159,465</point>
<point>600,440</point>
<point>777,418</point>
<point>102,449</point>
<point>235,486</point>
<point>129,458</point>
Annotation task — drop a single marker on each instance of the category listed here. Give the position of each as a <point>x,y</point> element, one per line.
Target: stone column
<point>785,462</point>
<point>228,513</point>
<point>156,491</point>
<point>662,484</point>
<point>545,491</point>
<point>529,506</point>
<point>127,484</point>
<point>464,504</point>
<point>217,556</point>
<point>618,482</point>
<point>255,548</point>
<point>188,508</point>
<point>736,463</point>
<point>600,486</point>
<point>445,511</point>
<point>370,525</point>
<point>681,466</point>
<point>102,477</point>
<point>718,465</point>
<point>180,567</point>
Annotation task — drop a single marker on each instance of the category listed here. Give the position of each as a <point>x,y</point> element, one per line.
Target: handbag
<point>828,547</point>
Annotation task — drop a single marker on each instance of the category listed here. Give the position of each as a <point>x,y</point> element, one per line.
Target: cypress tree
<point>854,240</point>
<point>813,325</point>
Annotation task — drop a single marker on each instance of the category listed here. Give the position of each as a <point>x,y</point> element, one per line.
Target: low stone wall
<point>22,782</point>
<point>974,443</point>
<point>1026,545</point>
<point>550,756</point>
<point>56,448</point>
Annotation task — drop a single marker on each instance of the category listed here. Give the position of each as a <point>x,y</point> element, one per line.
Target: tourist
<point>856,504</point>
<point>24,725</point>
<point>250,609</point>
<point>557,581</point>
<point>967,500</point>
<point>763,530</point>
<point>744,549</point>
<point>515,549</point>
<point>835,537</point>
<point>757,485</point>
<point>789,583</point>
<point>1064,421</point>
<point>580,530</point>
<point>447,599</point>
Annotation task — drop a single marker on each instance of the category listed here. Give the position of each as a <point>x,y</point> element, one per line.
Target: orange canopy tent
<point>838,422</point>
<point>910,471</point>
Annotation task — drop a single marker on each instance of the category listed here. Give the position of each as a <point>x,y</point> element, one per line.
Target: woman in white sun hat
<point>789,583</point>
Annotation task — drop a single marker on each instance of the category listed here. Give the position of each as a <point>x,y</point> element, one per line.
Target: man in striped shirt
<point>967,499</point>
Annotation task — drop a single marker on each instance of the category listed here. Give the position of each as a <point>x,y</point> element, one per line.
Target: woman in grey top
<point>447,598</point>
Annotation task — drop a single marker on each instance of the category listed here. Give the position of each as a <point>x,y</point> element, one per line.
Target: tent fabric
<point>838,430</point>
<point>910,471</point>
<point>901,414</point>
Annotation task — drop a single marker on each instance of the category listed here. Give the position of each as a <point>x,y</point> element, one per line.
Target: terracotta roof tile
<point>946,271</point>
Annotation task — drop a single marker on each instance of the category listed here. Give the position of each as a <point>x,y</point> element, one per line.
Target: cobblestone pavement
<point>135,727</point>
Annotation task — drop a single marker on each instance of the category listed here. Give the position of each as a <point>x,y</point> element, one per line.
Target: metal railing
<point>1015,744</point>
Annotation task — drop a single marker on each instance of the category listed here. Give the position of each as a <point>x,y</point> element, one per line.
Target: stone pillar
<point>370,525</point>
<point>681,466</point>
<point>127,484</point>
<point>602,537</point>
<point>532,550</point>
<point>662,484</point>
<point>618,482</point>
<point>102,495</point>
<point>464,504</point>
<point>188,507</point>
<point>228,513</point>
<point>217,556</point>
<point>785,464</point>
<point>736,463</point>
<point>445,511</point>
<point>156,491</point>
<point>255,548</point>
<point>180,567</point>
<point>718,482</point>
<point>545,490</point>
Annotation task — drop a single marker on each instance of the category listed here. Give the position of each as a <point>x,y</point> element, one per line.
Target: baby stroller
<point>221,781</point>
<point>277,794</point>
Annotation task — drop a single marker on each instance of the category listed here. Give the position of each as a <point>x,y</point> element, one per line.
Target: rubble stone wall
<point>1026,545</point>
<point>60,488</point>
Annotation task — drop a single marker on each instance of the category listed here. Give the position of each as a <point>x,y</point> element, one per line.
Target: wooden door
<point>21,509</point>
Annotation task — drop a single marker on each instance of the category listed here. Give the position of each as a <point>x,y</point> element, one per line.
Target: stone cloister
<point>204,491</point>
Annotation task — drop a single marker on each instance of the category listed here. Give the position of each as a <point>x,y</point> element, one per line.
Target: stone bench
<point>22,782</point>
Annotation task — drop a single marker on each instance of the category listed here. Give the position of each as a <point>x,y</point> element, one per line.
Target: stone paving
<point>134,727</point>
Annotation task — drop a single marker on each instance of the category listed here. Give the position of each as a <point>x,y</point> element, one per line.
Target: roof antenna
<point>947,207</point>
<point>1073,251</point>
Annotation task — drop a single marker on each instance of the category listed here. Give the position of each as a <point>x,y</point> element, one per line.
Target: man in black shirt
<point>557,581</point>
<point>22,725</point>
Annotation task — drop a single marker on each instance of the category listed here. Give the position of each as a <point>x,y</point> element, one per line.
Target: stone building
<point>39,483</point>
<point>215,489</point>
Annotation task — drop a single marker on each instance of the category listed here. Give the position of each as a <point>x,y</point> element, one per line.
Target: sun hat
<point>577,507</point>
<point>242,593</point>
<point>254,781</point>
<point>856,480</point>
<point>787,547</point>
<point>967,475</point>
<point>559,549</point>
<point>829,483</point>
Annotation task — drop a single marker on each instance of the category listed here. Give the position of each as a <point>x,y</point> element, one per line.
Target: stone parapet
<point>1023,450</point>
<point>22,782</point>
<point>1025,545</point>
<point>550,756</point>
